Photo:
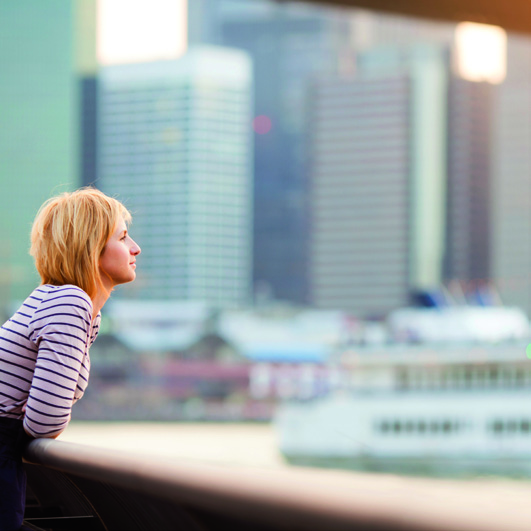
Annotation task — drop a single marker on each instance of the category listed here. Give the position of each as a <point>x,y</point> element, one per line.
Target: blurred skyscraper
<point>289,45</point>
<point>318,43</point>
<point>360,193</point>
<point>468,256</point>
<point>511,186</point>
<point>88,90</point>
<point>489,162</point>
<point>175,145</point>
<point>38,133</point>
<point>378,180</point>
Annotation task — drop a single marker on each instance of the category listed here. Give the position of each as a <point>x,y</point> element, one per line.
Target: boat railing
<point>77,487</point>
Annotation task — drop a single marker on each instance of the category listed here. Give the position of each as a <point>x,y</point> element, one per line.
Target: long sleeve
<point>61,330</point>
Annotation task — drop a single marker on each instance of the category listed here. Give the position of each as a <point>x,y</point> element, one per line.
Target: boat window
<point>497,426</point>
<point>511,426</point>
<point>402,379</point>
<point>411,427</point>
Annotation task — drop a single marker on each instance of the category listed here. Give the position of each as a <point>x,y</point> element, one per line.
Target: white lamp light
<point>481,52</point>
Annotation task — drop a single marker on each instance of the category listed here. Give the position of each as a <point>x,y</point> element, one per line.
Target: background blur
<point>330,203</point>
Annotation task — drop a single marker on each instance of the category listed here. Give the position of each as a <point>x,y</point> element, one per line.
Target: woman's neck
<point>99,300</point>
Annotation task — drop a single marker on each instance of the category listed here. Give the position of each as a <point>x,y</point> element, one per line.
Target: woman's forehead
<point>120,226</point>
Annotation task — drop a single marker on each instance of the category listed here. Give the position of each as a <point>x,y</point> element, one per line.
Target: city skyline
<point>293,48</point>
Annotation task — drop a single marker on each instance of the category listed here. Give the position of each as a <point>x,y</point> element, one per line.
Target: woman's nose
<point>135,249</point>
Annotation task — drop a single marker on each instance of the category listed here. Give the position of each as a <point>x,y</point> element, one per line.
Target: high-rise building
<point>289,45</point>
<point>468,257</point>
<point>370,29</point>
<point>378,163</point>
<point>511,181</point>
<point>206,18</point>
<point>175,145</point>
<point>359,251</point>
<point>38,136</point>
<point>87,71</point>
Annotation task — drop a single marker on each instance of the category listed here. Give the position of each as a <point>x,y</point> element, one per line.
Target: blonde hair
<point>69,234</point>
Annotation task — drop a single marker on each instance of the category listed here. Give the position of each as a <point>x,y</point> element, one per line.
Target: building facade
<point>379,181</point>
<point>289,45</point>
<point>360,239</point>
<point>511,182</point>
<point>468,256</point>
<point>39,135</point>
<point>174,144</point>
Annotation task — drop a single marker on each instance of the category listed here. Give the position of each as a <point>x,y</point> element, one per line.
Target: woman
<point>82,250</point>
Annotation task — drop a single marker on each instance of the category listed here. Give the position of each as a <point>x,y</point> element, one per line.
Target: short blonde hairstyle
<point>69,234</point>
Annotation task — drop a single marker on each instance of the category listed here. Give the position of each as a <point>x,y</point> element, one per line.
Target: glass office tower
<point>38,136</point>
<point>175,145</point>
<point>290,46</point>
<point>378,183</point>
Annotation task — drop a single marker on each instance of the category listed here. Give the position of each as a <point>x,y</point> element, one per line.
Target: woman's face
<point>117,262</point>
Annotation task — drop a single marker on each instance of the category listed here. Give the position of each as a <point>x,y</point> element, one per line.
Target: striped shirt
<point>44,357</point>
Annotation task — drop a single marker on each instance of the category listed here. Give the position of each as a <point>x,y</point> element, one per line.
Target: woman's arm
<point>60,328</point>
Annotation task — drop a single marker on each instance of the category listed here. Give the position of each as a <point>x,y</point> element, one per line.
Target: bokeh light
<point>481,52</point>
<point>262,124</point>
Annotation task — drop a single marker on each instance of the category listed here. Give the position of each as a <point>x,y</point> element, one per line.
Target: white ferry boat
<point>436,409</point>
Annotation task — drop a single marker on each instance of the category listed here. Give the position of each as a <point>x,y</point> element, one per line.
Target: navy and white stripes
<point>44,357</point>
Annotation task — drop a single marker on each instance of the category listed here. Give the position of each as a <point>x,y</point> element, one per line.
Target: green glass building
<point>38,126</point>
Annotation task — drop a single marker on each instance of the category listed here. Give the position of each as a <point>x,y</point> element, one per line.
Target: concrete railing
<point>79,487</point>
